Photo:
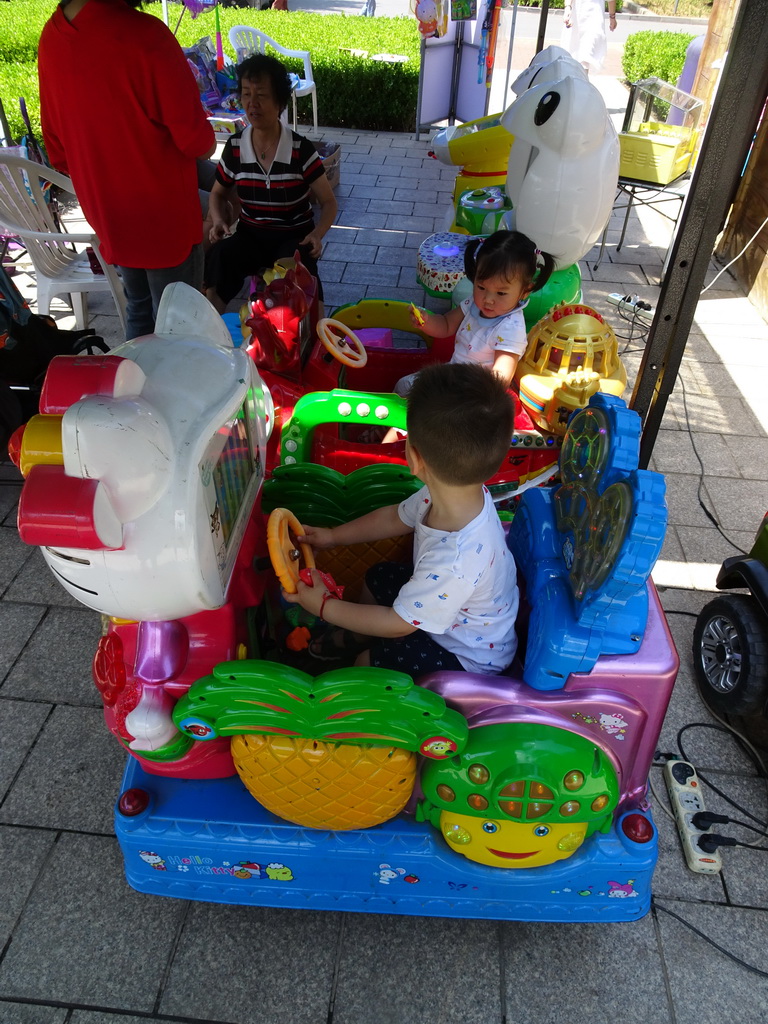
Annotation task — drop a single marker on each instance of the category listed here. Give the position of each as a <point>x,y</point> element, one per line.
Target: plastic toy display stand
<point>211,841</point>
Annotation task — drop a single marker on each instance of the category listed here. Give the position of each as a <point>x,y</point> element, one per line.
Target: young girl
<point>489,326</point>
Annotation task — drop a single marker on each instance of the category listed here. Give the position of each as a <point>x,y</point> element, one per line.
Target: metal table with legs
<point>645,193</point>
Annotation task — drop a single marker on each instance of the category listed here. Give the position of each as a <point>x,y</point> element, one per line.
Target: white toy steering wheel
<point>348,349</point>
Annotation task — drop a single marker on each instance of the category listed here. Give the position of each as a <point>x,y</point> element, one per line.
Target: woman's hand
<point>219,230</point>
<point>323,195</point>
<point>314,241</point>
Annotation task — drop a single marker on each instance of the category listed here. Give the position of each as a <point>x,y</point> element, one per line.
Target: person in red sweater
<point>121,115</point>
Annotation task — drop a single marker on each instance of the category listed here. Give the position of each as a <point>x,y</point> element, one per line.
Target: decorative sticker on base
<point>385,875</point>
<point>612,724</point>
<point>617,890</point>
<point>274,871</point>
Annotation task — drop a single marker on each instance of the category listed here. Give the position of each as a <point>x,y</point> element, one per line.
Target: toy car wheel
<point>730,655</point>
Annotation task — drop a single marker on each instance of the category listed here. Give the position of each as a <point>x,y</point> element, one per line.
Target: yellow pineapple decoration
<point>336,752</point>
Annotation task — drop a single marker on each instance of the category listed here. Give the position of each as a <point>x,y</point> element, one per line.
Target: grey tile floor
<point>78,946</point>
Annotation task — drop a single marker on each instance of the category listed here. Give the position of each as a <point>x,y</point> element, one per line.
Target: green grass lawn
<point>352,91</point>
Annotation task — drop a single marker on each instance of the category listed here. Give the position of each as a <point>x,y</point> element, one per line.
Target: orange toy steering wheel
<point>348,349</point>
<point>285,552</point>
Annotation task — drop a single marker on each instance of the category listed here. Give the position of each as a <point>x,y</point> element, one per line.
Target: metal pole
<point>457,58</point>
<point>733,119</point>
<point>542,25</point>
<point>421,87</point>
<point>509,51</point>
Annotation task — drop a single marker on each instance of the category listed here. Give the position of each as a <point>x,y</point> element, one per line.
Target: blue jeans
<point>144,289</point>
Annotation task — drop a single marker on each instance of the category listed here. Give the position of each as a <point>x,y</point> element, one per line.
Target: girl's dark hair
<point>262,65</point>
<point>508,254</point>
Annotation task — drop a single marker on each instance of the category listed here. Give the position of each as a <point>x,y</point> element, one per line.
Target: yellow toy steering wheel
<point>348,349</point>
<point>285,552</point>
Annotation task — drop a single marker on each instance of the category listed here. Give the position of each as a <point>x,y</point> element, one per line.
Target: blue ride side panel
<point>587,546</point>
<point>211,841</point>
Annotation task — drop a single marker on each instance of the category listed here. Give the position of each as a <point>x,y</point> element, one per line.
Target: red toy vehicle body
<point>532,454</point>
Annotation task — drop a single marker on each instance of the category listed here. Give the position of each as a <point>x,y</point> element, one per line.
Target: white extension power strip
<point>686,798</point>
<point>629,304</point>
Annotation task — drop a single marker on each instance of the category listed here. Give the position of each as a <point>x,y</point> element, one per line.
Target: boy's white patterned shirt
<point>464,586</point>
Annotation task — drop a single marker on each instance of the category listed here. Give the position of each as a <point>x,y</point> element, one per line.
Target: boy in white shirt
<point>455,607</point>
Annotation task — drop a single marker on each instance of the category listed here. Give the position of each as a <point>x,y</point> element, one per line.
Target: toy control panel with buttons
<point>687,799</point>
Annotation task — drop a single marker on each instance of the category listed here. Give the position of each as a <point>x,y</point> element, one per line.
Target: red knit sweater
<point>121,115</point>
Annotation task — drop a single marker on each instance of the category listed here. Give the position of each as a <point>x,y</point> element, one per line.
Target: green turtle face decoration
<point>520,795</point>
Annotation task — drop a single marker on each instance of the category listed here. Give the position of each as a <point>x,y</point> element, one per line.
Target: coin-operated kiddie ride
<point>251,781</point>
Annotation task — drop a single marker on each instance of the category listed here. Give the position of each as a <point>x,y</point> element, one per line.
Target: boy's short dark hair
<point>460,418</point>
<point>262,65</point>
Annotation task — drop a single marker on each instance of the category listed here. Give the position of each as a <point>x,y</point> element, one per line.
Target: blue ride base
<point>211,841</point>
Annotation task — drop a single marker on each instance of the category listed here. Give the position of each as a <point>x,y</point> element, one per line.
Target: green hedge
<point>655,55</point>
<point>351,91</point>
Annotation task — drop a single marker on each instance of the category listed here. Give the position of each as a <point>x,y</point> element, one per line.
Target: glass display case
<point>660,132</point>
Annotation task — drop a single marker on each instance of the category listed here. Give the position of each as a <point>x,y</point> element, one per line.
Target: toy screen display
<point>231,470</point>
<point>232,473</point>
<point>235,467</point>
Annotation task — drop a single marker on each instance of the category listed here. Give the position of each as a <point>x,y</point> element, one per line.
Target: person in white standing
<point>584,31</point>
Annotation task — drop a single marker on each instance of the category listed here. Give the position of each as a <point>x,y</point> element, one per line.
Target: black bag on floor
<point>28,343</point>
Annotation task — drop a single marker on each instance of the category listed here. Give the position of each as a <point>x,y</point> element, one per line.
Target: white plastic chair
<point>59,268</point>
<point>246,41</point>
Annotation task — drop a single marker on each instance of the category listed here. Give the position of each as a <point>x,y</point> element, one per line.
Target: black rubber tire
<point>730,655</point>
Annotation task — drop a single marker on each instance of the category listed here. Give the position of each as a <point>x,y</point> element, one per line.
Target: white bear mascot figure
<point>562,179</point>
<point>548,65</point>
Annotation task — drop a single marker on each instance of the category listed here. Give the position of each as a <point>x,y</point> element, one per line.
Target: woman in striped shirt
<point>274,174</point>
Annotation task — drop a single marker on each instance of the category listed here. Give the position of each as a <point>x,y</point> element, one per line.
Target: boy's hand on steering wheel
<point>318,537</point>
<point>309,597</point>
